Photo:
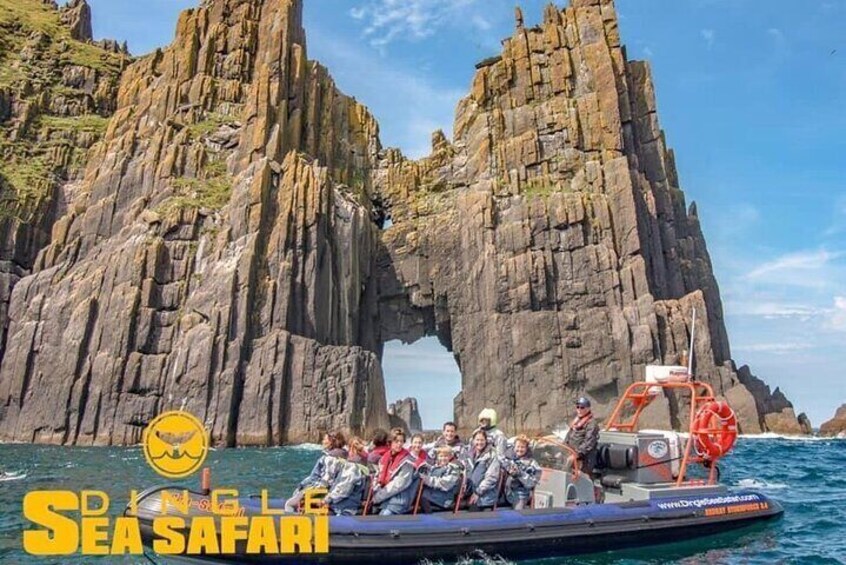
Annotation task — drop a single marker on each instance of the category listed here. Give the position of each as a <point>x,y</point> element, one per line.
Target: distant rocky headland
<point>202,227</point>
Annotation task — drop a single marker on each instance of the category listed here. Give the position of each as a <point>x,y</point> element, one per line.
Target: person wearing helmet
<point>583,437</point>
<point>497,439</point>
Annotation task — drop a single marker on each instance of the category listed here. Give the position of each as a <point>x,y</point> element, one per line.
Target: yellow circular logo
<point>175,444</point>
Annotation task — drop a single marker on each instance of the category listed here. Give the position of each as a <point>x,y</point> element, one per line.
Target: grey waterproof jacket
<point>523,475</point>
<point>441,484</point>
<point>483,475</point>
<point>396,494</point>
<point>496,439</point>
<point>345,481</point>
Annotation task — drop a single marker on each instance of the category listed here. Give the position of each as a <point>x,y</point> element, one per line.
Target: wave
<point>771,435</point>
<point>305,447</point>
<point>562,432</point>
<point>757,483</point>
<point>14,476</point>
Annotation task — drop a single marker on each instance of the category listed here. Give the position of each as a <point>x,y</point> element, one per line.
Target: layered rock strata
<point>223,252</point>
<point>211,259</point>
<point>57,90</point>
<point>549,245</point>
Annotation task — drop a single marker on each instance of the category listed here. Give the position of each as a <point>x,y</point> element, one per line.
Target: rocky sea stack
<point>220,246</point>
<point>837,425</point>
<point>404,413</point>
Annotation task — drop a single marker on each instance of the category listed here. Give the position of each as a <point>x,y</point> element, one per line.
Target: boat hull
<point>514,535</point>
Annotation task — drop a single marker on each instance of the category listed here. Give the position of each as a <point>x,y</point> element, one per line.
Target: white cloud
<point>795,295</point>
<point>837,320</point>
<point>481,22</point>
<point>647,52</point>
<point>808,268</point>
<point>390,90</point>
<point>772,310</point>
<point>709,36</point>
<point>776,348</point>
<point>387,20</point>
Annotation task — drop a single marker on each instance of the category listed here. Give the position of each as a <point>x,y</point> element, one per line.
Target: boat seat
<point>614,481</point>
<point>418,495</point>
<point>460,497</point>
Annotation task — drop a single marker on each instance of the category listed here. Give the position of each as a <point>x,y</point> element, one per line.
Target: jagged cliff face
<point>549,245</point>
<point>223,251</point>
<point>202,263</point>
<point>57,90</point>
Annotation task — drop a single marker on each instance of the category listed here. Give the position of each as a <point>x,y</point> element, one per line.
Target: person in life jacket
<point>333,444</point>
<point>448,438</point>
<point>487,424</point>
<point>394,489</point>
<point>523,473</point>
<point>441,481</point>
<point>357,451</point>
<point>583,437</point>
<point>379,446</point>
<point>483,465</point>
<point>345,481</point>
<point>417,452</point>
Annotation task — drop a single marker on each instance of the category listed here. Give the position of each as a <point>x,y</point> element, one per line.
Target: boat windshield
<point>550,456</point>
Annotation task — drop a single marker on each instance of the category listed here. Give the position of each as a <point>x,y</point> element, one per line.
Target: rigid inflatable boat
<point>644,491</point>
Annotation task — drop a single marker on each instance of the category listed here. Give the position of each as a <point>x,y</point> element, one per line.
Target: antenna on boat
<point>690,355</point>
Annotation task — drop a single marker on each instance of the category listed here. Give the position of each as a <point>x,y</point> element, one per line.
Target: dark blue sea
<point>808,476</point>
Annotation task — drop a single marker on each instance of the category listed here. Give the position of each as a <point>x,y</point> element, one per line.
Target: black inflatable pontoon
<point>532,533</point>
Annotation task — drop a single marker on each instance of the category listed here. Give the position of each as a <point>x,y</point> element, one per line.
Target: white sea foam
<point>756,483</point>
<point>771,435</point>
<point>562,432</point>
<point>14,476</point>
<point>306,447</point>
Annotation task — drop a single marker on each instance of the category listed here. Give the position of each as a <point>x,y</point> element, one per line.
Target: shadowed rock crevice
<point>223,250</point>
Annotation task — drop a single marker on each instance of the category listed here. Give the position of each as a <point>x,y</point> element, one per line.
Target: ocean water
<point>808,476</point>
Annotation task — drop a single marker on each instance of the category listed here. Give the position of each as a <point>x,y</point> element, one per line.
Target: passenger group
<point>392,475</point>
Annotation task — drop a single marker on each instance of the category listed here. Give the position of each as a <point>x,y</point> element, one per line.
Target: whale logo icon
<point>175,444</point>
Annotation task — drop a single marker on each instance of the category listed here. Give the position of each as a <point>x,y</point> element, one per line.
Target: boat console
<point>559,486</point>
<point>642,466</point>
<point>642,457</point>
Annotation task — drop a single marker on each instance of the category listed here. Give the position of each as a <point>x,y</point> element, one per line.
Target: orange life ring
<point>714,429</point>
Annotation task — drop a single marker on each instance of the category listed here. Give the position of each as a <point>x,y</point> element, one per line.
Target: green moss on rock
<point>211,192</point>
<point>89,123</point>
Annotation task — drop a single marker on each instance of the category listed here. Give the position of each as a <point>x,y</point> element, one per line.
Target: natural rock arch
<point>224,252</point>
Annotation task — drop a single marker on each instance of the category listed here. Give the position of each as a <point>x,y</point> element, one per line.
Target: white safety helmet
<point>488,414</point>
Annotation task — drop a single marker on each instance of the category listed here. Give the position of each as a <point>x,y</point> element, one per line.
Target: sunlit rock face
<point>223,250</point>
<point>837,425</point>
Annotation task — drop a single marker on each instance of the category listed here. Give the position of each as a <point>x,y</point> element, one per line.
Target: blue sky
<point>752,96</point>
